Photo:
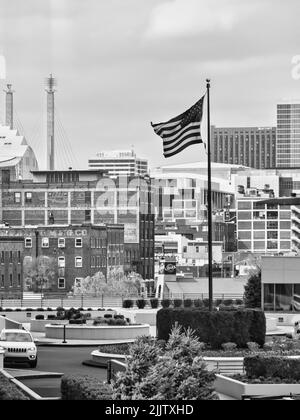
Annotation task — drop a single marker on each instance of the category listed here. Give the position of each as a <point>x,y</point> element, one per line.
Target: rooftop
<point>12,146</point>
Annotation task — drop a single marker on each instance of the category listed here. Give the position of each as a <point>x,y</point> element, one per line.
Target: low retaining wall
<point>40,325</point>
<point>27,316</point>
<point>236,389</point>
<point>271,324</point>
<point>140,316</point>
<point>103,358</point>
<point>84,332</point>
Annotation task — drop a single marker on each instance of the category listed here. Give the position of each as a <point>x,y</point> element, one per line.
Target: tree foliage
<point>117,284</point>
<point>41,271</point>
<point>253,290</point>
<point>171,372</point>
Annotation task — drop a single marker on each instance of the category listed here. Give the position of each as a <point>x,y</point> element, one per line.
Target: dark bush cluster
<point>261,366</point>
<point>217,327</point>
<point>84,388</point>
<point>127,303</point>
<point>9,391</point>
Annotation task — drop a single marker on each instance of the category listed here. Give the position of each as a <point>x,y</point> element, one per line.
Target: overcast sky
<point>123,63</point>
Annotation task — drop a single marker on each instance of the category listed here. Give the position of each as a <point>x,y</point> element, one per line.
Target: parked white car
<point>19,347</point>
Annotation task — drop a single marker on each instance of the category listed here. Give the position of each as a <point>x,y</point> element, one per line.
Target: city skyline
<point>119,66</point>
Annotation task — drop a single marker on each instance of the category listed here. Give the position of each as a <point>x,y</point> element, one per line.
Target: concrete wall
<point>140,316</point>
<point>78,332</point>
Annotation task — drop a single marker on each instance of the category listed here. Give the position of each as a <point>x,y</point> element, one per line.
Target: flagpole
<point>209,203</point>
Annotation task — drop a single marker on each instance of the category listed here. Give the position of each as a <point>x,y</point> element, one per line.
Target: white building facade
<point>119,163</point>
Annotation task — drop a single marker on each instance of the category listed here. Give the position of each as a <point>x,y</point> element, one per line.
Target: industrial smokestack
<point>50,89</point>
<point>9,111</point>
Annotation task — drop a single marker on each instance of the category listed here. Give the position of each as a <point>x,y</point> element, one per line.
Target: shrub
<point>166,303</point>
<point>206,303</point>
<point>239,302</point>
<point>257,329</point>
<point>40,309</point>
<point>198,303</point>
<point>215,328</point>
<point>253,291</point>
<point>119,317</point>
<point>228,302</point>
<point>60,309</point>
<point>116,322</point>
<point>8,310</point>
<point>77,321</point>
<point>90,309</point>
<point>229,346</point>
<point>272,367</point>
<point>154,303</point>
<point>39,317</point>
<point>140,303</point>
<point>254,347</point>
<point>29,310</point>
<point>99,321</point>
<point>177,303</point>
<point>9,391</point>
<point>51,317</point>
<point>188,303</point>
<point>219,302</point>
<point>127,304</point>
<point>179,375</point>
<point>84,388</point>
<point>107,316</point>
<point>49,309</point>
<point>18,310</point>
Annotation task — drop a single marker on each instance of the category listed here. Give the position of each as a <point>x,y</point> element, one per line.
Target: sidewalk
<point>32,374</point>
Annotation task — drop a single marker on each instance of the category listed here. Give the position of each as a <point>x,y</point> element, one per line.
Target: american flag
<point>182,131</point>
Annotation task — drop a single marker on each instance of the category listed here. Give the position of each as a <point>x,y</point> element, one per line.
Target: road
<point>66,360</point>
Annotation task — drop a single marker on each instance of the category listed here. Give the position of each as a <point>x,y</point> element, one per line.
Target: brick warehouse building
<point>76,197</point>
<point>74,252</point>
<point>11,264</point>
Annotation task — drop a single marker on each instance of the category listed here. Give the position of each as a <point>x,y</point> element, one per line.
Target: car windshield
<point>16,337</point>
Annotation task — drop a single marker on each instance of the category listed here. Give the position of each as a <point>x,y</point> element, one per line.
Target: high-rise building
<point>288,135</point>
<point>254,147</point>
<point>119,163</point>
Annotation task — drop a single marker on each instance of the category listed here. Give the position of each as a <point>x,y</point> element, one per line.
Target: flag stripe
<point>190,143</point>
<point>191,127</point>
<point>187,135</point>
<point>167,128</point>
<point>187,138</point>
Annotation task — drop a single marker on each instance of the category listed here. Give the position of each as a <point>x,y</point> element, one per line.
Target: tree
<point>253,290</point>
<point>91,285</point>
<point>118,284</point>
<point>41,272</point>
<point>173,372</point>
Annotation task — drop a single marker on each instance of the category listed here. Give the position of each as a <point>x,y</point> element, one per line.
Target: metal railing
<point>102,301</point>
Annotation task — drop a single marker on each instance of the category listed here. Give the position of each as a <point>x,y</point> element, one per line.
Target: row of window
<point>61,242</point>
<point>10,284</point>
<point>12,255</point>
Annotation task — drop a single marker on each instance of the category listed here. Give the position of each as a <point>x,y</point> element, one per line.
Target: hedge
<point>9,391</point>
<point>215,328</point>
<point>84,388</point>
<point>272,367</point>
